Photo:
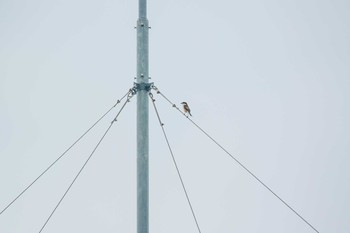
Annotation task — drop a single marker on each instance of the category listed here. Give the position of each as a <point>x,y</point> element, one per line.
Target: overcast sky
<point>269,80</point>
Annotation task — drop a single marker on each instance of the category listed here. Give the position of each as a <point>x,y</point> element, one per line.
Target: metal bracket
<point>143,86</point>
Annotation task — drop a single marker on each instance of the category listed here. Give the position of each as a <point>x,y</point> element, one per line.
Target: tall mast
<point>142,119</point>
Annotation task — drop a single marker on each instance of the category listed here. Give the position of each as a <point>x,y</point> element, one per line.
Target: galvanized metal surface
<point>142,121</point>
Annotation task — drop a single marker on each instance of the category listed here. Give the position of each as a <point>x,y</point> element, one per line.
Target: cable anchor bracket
<point>142,87</point>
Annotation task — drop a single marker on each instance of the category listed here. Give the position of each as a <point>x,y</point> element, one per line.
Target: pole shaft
<point>142,9</point>
<point>142,121</point>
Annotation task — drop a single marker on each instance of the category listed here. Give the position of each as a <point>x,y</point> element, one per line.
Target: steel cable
<point>237,161</point>
<point>175,164</point>
<point>62,155</point>
<point>82,168</point>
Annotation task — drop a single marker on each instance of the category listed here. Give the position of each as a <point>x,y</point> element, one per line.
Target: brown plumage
<point>186,108</point>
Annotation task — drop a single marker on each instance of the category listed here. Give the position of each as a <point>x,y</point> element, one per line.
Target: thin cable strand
<point>235,159</point>
<point>75,178</point>
<point>52,164</point>
<point>177,169</point>
<point>82,168</point>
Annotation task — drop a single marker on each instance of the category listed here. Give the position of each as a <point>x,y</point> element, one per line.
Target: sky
<point>269,80</point>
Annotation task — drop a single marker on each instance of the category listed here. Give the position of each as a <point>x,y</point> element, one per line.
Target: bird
<point>186,108</point>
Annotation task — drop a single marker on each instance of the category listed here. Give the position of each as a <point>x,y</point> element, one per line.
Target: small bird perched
<point>186,108</point>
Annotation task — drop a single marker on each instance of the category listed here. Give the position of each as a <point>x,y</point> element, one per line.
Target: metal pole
<point>142,119</point>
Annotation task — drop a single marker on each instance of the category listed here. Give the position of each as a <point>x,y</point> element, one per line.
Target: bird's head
<point>184,103</point>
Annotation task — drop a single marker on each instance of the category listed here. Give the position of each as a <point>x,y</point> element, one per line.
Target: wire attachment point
<point>151,96</point>
<point>143,86</point>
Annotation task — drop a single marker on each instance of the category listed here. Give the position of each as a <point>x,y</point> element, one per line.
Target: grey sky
<point>270,80</point>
